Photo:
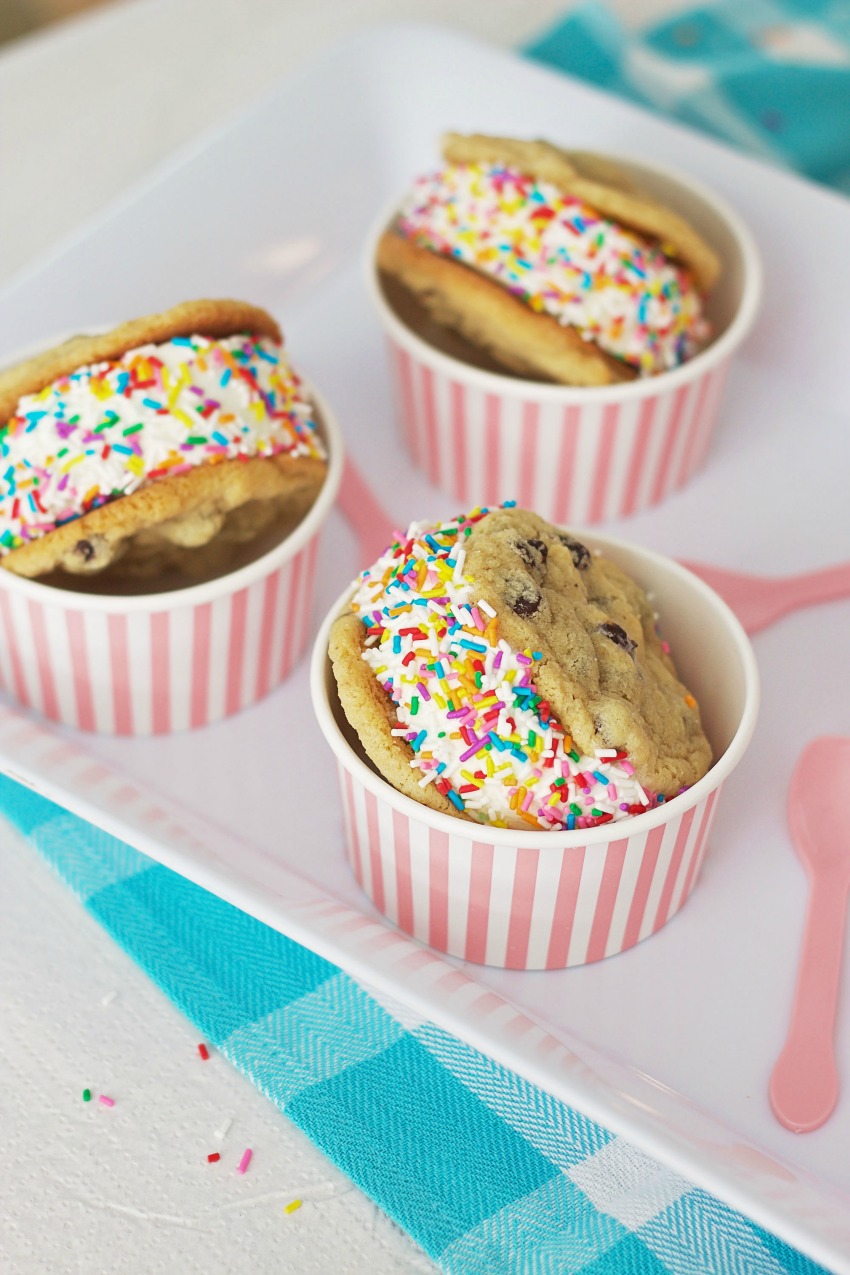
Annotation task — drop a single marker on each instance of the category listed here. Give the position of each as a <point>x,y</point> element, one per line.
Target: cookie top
<point>494,667</point>
<point>210,318</point>
<point>598,181</point>
<point>150,402</point>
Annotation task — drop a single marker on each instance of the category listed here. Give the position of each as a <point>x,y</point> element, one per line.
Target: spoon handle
<point>804,1084</point>
<point>810,587</point>
<point>371,524</point>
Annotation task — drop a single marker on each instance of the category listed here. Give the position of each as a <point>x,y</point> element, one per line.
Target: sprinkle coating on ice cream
<point>106,429</point>
<point>467,703</point>
<point>562,258</point>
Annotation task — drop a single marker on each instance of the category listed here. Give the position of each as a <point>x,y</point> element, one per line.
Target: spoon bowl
<point>804,1084</point>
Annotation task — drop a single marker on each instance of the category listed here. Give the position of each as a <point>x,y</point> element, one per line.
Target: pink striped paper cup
<point>526,900</point>
<point>580,455</point>
<point>162,662</point>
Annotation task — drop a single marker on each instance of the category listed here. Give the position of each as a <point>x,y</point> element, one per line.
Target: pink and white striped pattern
<point>542,906</point>
<point>521,900</point>
<point>153,664</point>
<point>576,455</point>
<point>580,457</point>
<point>177,665</point>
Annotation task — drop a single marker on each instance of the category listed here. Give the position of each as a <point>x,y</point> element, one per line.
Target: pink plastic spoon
<point>370,522</point>
<point>804,1085</point>
<point>759,600</point>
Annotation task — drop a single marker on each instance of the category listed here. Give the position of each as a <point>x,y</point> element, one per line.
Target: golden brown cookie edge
<point>370,713</point>
<point>205,317</point>
<point>490,317</point>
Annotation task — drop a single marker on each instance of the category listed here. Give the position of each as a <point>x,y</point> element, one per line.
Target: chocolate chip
<point>618,636</point>
<point>533,552</point>
<point>85,549</point>
<point>526,603</point>
<point>580,552</point>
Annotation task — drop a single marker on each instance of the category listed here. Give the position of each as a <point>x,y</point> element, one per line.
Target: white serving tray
<point>672,1043</point>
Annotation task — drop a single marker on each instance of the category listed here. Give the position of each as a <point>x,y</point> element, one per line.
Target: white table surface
<point>87,109</point>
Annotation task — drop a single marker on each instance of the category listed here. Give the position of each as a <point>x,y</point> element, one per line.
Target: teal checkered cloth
<point>770,76</point>
<point>489,1174</point>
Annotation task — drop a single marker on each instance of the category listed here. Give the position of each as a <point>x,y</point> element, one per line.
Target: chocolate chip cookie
<point>494,667</point>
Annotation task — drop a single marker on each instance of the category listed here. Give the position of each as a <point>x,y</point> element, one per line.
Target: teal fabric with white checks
<point>488,1173</point>
<point>770,76</point>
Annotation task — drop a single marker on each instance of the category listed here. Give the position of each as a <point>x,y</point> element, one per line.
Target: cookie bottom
<point>152,564</point>
<point>186,529</point>
<point>414,314</point>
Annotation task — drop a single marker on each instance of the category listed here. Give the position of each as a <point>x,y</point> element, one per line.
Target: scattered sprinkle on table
<point>221,1133</point>
<point>87,1095</point>
<point>107,1102</point>
<point>204,1052</point>
<point>245,1161</point>
<point>212,1157</point>
<point>108,998</point>
<point>292,1206</point>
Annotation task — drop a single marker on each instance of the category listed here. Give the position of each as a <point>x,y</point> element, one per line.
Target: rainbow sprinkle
<point>160,410</point>
<point>562,259</point>
<point>466,702</point>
